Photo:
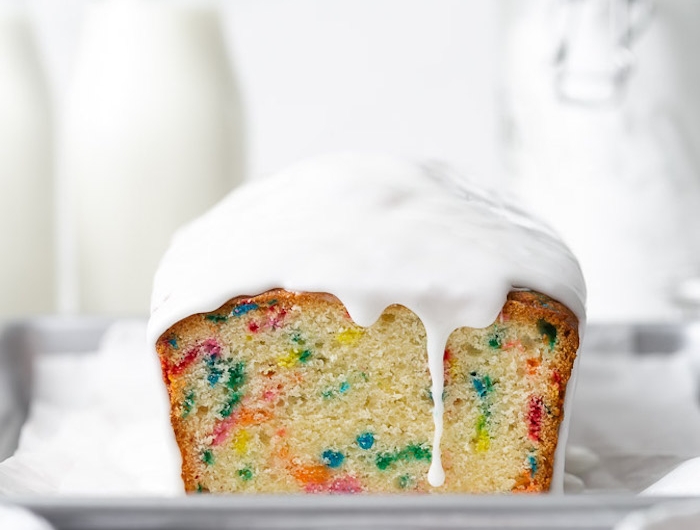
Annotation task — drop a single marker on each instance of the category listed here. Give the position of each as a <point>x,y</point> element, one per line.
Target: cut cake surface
<point>283,392</point>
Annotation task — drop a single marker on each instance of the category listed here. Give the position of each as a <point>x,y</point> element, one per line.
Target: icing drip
<point>374,232</point>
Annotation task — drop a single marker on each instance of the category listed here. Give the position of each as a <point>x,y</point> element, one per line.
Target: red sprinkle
<point>556,379</point>
<point>534,418</point>
<point>446,364</point>
<point>209,346</point>
<point>253,327</point>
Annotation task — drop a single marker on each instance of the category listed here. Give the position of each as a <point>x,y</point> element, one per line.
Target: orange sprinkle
<point>248,417</point>
<point>532,365</point>
<point>305,474</point>
<point>525,484</point>
<point>311,474</point>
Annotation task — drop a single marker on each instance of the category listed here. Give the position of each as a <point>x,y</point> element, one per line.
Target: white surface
<point>373,231</point>
<point>26,205</point>
<point>99,424</point>
<point>16,518</point>
<point>679,515</point>
<point>152,137</point>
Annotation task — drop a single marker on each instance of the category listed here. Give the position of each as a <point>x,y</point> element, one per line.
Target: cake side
<point>283,392</point>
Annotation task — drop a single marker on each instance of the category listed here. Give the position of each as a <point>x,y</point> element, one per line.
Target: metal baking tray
<point>20,341</point>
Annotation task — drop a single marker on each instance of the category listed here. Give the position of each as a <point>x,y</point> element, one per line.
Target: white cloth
<point>16,518</point>
<point>98,425</point>
<point>635,419</point>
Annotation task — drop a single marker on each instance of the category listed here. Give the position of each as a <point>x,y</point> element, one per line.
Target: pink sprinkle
<point>346,484</point>
<point>212,347</point>
<point>223,429</point>
<point>315,488</point>
<point>277,319</point>
<point>269,395</point>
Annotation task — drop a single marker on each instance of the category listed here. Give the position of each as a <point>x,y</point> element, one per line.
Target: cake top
<point>374,231</point>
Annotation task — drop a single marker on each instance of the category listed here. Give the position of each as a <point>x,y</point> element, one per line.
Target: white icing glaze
<point>373,231</point>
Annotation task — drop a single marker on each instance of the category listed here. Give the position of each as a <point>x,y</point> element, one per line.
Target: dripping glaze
<point>374,231</point>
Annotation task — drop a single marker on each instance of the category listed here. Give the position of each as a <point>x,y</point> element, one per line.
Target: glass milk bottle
<point>604,131</point>
<point>26,207</point>
<point>152,138</point>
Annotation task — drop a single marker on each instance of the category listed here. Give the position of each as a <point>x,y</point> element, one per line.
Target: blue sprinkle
<point>344,387</point>
<point>215,372</point>
<point>532,462</point>
<point>332,458</point>
<point>482,386</point>
<point>173,343</point>
<point>242,309</point>
<point>365,440</point>
<point>479,387</point>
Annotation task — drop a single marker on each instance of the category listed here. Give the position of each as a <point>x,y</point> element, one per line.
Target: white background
<point>413,77</point>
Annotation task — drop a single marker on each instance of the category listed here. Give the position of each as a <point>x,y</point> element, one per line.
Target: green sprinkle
<point>549,330</point>
<point>328,394</point>
<point>404,481</point>
<point>410,452</point>
<point>217,319</point>
<point>246,474</point>
<point>304,356</point>
<point>200,489</point>
<point>236,376</point>
<point>419,452</point>
<point>384,460</point>
<point>188,404</point>
<point>298,339</point>
<point>496,340</point>
<point>208,457</point>
<point>233,400</point>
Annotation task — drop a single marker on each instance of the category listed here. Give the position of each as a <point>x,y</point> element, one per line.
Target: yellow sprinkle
<point>248,337</point>
<point>349,336</point>
<point>239,443</point>
<point>483,440</point>
<point>290,359</point>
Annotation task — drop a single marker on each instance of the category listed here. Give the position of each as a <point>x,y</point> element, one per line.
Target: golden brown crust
<point>532,307</point>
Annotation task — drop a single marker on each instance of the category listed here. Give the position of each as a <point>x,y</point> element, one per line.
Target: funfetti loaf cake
<point>364,324</point>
